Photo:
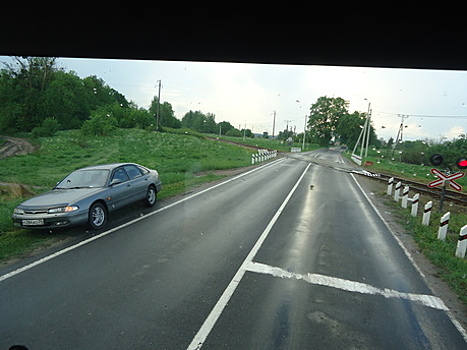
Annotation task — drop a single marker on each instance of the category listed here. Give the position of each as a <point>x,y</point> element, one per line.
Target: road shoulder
<point>375,191</point>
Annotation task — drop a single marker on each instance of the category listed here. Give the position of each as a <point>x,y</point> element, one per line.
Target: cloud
<point>454,132</point>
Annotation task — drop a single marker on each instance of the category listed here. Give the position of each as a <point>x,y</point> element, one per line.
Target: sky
<point>434,102</point>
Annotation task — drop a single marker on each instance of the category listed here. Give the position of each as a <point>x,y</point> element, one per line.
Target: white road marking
<point>89,240</point>
<point>211,320</point>
<point>350,286</point>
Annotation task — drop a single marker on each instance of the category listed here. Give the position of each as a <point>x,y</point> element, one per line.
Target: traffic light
<point>436,159</point>
<point>461,163</point>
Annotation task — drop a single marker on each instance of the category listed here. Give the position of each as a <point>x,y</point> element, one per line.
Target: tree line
<point>39,97</point>
<point>330,120</point>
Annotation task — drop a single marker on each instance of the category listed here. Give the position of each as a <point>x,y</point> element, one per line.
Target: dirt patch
<point>14,190</point>
<point>15,146</point>
<point>375,190</point>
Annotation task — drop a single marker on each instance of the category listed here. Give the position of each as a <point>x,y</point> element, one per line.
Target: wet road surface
<point>290,255</point>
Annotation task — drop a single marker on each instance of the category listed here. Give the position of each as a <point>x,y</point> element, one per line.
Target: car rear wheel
<point>97,216</point>
<point>151,196</point>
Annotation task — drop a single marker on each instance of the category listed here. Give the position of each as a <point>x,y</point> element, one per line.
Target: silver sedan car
<point>88,195</point>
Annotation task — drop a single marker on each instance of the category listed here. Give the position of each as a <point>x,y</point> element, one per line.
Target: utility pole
<point>364,137</point>
<point>368,132</point>
<point>273,124</point>
<point>158,106</point>
<point>304,134</point>
<point>400,133</point>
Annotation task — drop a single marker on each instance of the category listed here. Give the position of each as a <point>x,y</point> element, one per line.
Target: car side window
<point>120,174</point>
<point>143,170</point>
<point>132,171</point>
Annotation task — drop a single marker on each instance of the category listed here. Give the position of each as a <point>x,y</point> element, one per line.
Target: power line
<point>425,116</point>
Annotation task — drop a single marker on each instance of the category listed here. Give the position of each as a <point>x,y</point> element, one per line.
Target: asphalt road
<point>290,255</point>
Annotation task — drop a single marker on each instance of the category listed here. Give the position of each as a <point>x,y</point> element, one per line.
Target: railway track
<point>435,193</point>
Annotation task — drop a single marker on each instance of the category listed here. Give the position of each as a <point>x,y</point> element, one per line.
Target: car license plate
<point>37,222</point>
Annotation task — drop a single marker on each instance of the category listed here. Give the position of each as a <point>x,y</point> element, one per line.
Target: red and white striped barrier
<point>390,184</point>
<point>462,243</point>
<point>415,201</point>
<point>443,226</point>
<point>427,213</point>
<point>263,155</point>
<point>397,191</point>
<point>444,223</point>
<point>405,197</point>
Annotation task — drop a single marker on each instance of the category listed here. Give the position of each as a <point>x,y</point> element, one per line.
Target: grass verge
<point>441,253</point>
<point>177,157</point>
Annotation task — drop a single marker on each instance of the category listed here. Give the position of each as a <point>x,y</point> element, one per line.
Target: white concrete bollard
<point>405,197</point>
<point>443,226</point>
<point>252,159</point>
<point>462,243</point>
<point>415,200</point>
<point>427,213</point>
<point>397,191</point>
<point>390,184</point>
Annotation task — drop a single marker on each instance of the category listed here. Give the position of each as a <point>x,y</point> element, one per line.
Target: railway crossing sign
<point>448,178</point>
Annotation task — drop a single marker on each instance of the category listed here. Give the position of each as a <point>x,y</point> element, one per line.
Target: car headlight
<point>66,209</point>
<point>18,211</point>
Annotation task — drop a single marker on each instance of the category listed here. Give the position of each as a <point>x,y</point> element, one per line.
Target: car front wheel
<point>151,196</point>
<point>97,216</point>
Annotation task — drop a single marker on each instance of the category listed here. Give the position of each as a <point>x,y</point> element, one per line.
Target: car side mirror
<point>115,182</point>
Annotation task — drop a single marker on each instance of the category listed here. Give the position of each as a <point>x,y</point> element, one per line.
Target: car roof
<point>105,166</point>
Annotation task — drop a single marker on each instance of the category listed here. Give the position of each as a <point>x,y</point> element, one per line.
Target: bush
<point>49,127</point>
<point>234,132</point>
<point>99,124</point>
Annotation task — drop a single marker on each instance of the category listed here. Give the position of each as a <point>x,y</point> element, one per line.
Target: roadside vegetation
<point>415,165</point>
<point>441,253</point>
<point>179,158</point>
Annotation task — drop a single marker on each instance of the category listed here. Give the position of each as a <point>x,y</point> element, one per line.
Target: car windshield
<point>279,206</point>
<point>85,178</point>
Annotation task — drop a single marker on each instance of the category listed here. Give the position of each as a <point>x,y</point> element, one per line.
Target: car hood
<point>59,197</point>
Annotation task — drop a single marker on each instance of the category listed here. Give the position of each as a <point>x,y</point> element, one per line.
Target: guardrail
<point>263,155</point>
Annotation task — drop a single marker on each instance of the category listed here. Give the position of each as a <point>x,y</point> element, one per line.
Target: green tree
<point>349,127</point>
<point>234,132</point>
<point>324,117</point>
<point>21,87</point>
<point>33,89</point>
<point>225,127</point>
<point>167,117</point>
<point>200,122</point>
<point>66,100</point>
<point>247,133</point>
